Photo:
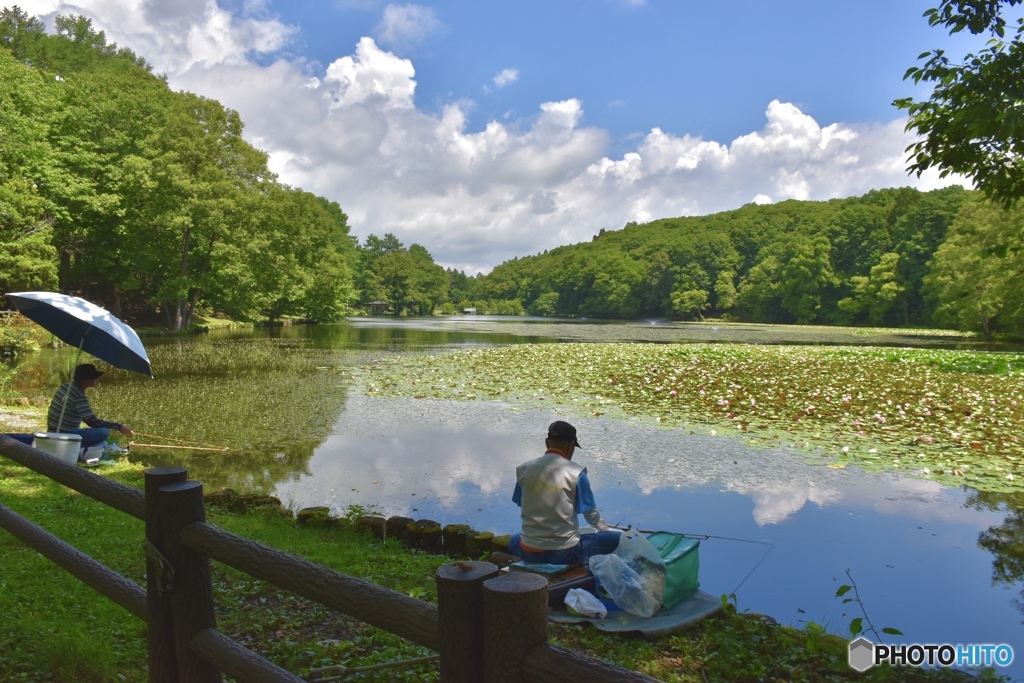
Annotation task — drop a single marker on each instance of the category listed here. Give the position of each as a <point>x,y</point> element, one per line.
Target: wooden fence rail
<point>112,493</point>
<point>486,626</point>
<point>409,618</point>
<point>101,579</point>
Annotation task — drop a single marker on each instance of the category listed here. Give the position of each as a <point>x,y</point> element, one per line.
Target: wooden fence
<point>487,626</point>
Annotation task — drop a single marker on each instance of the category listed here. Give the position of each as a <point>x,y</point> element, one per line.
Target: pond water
<point>783,528</point>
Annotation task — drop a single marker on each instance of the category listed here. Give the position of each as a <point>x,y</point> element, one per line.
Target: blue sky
<point>486,130</point>
<point>703,68</point>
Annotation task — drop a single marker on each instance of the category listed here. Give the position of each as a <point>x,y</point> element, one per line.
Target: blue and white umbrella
<point>87,327</point>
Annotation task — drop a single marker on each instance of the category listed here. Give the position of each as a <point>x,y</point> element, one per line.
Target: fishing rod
<point>166,438</point>
<point>187,448</point>
<point>191,445</point>
<point>704,537</point>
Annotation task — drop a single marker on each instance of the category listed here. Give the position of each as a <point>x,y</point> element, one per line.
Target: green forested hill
<point>891,257</point>
<point>151,203</point>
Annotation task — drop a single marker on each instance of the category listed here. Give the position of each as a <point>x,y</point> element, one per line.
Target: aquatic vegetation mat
<point>267,401</point>
<point>950,416</point>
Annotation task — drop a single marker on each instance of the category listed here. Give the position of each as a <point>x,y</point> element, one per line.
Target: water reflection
<point>269,401</point>
<point>1006,540</point>
<point>394,334</point>
<point>676,332</point>
<point>911,545</point>
<point>940,564</point>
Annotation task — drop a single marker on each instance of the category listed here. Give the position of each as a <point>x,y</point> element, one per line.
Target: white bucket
<point>63,446</point>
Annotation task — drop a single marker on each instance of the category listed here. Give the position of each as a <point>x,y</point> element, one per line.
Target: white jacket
<point>548,486</point>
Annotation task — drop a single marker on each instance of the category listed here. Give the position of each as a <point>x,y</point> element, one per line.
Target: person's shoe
<point>114,449</point>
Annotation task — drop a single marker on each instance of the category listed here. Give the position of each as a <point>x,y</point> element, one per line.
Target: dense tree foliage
<point>975,278</point>
<point>407,280</point>
<point>152,203</point>
<point>147,200</point>
<point>972,124</point>
<point>861,260</point>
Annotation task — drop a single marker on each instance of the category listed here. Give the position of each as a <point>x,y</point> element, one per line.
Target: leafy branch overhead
<point>973,122</point>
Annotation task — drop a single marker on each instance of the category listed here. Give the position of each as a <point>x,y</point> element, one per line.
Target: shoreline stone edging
<point>458,541</point>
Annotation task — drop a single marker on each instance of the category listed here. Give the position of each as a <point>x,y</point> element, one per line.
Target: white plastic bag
<point>643,558</point>
<point>623,585</point>
<point>582,603</point>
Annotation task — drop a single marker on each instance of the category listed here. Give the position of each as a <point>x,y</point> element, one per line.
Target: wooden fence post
<point>460,619</point>
<point>515,619</point>
<point>192,593</point>
<point>163,665</point>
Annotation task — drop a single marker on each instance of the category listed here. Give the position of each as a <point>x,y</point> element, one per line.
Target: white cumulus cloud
<point>404,27</point>
<point>476,197</point>
<point>506,77</point>
<point>176,36</point>
<point>371,76</point>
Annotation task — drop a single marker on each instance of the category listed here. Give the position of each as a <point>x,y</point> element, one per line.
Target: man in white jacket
<point>552,491</point>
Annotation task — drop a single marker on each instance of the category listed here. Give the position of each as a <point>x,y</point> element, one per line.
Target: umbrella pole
<point>71,379</point>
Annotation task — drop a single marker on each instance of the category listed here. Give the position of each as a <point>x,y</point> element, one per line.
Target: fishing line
<point>196,445</point>
<point>187,448</point>
<point>165,438</point>
<point>704,537</point>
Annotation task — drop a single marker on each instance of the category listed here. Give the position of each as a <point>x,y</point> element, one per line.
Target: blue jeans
<point>92,435</point>
<point>601,543</point>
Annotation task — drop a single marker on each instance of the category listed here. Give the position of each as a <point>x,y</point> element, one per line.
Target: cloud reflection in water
<point>906,540</point>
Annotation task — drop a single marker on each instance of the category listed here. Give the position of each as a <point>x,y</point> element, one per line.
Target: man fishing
<point>78,410</point>
<point>552,491</point>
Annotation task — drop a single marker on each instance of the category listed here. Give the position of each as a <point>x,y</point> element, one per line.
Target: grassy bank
<point>55,629</point>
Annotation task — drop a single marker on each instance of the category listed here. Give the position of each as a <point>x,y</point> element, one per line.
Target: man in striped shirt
<point>78,410</point>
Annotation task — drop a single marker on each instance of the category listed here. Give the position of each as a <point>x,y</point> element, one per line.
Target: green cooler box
<point>682,563</point>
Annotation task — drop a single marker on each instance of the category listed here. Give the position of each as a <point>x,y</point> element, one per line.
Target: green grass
<point>56,629</point>
<point>951,416</point>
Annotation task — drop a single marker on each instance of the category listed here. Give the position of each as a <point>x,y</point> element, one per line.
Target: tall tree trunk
<point>180,303</point>
<point>191,308</point>
<point>200,273</point>
<point>115,302</point>
<point>64,270</point>
<point>178,306</point>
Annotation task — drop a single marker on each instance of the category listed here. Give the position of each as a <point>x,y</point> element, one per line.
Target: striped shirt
<point>77,411</point>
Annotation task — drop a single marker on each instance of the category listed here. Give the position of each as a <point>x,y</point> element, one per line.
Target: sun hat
<point>86,371</point>
<point>563,431</point>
